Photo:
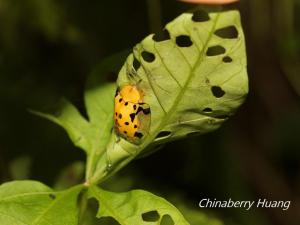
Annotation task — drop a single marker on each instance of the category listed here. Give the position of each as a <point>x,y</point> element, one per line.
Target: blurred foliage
<point>48,47</point>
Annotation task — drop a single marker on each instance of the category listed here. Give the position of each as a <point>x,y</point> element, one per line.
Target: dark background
<point>48,48</point>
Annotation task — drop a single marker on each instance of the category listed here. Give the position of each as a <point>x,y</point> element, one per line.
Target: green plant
<point>192,76</point>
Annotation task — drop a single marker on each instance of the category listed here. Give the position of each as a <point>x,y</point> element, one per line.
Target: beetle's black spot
<point>134,107</point>
<point>138,134</point>
<point>52,196</point>
<point>126,103</point>
<point>125,132</point>
<point>120,116</point>
<point>151,216</point>
<point>127,123</point>
<point>121,99</point>
<point>161,36</point>
<point>148,56</point>
<point>163,134</point>
<point>227,32</point>
<point>217,91</point>
<point>146,111</point>
<point>200,16</point>
<point>215,50</point>
<point>167,220</point>
<point>227,59</point>
<point>116,113</point>
<point>135,126</point>
<point>136,64</point>
<point>132,116</point>
<point>207,110</point>
<point>184,41</point>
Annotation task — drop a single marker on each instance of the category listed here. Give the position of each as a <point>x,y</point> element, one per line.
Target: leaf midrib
<point>91,160</point>
<point>55,201</point>
<point>25,194</point>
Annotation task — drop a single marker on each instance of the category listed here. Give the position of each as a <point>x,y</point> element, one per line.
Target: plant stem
<point>82,206</point>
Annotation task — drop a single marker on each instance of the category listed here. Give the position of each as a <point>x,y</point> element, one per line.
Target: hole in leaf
<point>183,41</point>
<point>52,196</point>
<point>215,50</point>
<point>207,110</point>
<point>92,210</point>
<point>148,56</point>
<point>151,216</point>
<point>161,36</point>
<point>217,91</point>
<point>163,134</point>
<point>136,64</point>
<point>108,220</point>
<point>200,16</point>
<point>227,59</point>
<point>227,32</point>
<point>167,220</point>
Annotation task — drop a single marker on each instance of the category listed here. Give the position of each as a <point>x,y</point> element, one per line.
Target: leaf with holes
<point>33,203</point>
<point>135,207</point>
<point>192,76</point>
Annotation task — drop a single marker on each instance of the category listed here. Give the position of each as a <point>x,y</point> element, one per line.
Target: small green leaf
<point>68,117</point>
<point>33,203</point>
<point>135,207</point>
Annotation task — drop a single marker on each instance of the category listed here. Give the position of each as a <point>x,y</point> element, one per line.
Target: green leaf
<point>135,207</point>
<point>33,203</point>
<point>93,134</point>
<point>67,116</point>
<point>193,77</point>
<point>197,78</point>
<point>99,100</point>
